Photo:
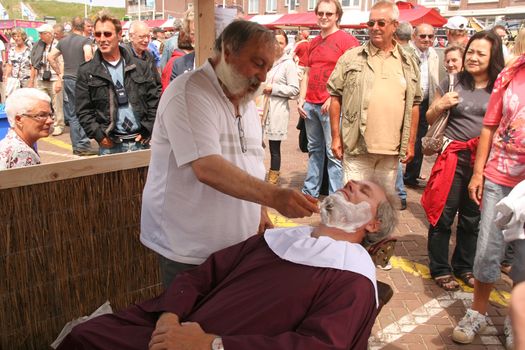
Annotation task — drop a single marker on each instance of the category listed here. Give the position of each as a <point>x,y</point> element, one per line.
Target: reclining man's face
<point>352,207</point>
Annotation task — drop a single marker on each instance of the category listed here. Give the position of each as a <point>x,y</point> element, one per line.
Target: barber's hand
<point>337,147</point>
<point>294,204</point>
<point>188,336</point>
<point>409,154</point>
<point>265,222</point>
<point>475,188</point>
<point>106,143</point>
<point>326,106</point>
<point>300,108</point>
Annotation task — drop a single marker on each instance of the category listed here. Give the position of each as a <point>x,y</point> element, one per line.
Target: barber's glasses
<point>327,14</point>
<point>242,139</point>
<point>424,36</point>
<point>380,22</point>
<point>106,34</point>
<point>41,117</point>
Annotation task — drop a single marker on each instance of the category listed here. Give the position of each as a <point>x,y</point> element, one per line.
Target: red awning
<point>152,23</point>
<point>306,19</point>
<point>417,14</point>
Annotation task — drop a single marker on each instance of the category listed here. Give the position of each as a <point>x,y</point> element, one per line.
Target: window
<point>293,4</point>
<point>311,4</point>
<point>351,3</point>
<point>271,5</point>
<point>253,6</point>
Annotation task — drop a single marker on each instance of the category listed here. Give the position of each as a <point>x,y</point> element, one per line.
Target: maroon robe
<point>254,300</point>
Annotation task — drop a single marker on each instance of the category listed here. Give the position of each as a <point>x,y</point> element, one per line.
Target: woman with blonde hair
<point>18,65</point>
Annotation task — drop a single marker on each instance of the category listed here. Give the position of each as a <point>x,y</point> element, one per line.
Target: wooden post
<point>204,30</point>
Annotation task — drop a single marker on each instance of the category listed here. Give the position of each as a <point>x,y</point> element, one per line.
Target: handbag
<point>432,142</point>
<point>303,139</point>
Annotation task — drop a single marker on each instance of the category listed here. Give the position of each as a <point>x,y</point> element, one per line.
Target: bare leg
<point>481,296</point>
<point>517,314</point>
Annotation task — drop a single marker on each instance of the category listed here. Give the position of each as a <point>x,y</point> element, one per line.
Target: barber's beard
<point>338,212</point>
<point>237,84</point>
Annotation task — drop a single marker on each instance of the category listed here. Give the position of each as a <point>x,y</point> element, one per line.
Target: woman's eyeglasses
<point>41,117</point>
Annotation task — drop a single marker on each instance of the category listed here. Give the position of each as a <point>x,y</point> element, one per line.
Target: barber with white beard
<point>205,188</point>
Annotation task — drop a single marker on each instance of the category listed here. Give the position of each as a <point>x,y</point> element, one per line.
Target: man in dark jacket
<point>117,94</point>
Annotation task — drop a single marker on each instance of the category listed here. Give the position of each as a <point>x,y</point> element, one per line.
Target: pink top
<point>506,163</point>
<point>15,153</point>
<point>323,54</point>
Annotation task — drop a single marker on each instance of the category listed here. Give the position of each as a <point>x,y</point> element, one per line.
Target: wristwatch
<point>216,344</point>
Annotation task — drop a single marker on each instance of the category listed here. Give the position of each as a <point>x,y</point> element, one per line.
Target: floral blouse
<point>15,153</point>
<point>21,63</point>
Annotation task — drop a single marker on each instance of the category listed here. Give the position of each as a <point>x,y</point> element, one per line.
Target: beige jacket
<point>352,79</point>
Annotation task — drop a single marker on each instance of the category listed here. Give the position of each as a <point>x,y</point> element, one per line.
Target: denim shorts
<point>490,248</point>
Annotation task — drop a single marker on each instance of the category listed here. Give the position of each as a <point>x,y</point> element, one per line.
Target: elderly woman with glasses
<point>30,117</point>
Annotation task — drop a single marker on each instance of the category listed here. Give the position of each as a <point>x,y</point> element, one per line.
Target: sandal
<point>467,278</point>
<point>505,268</point>
<point>447,282</point>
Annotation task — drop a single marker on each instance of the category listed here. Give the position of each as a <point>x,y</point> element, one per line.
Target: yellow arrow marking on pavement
<point>57,142</point>
<point>496,296</point>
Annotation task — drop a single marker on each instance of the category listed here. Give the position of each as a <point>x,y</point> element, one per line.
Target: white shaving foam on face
<point>338,212</point>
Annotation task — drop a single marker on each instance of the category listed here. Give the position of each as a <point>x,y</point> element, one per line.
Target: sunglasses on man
<point>423,36</point>
<point>380,22</point>
<point>106,34</point>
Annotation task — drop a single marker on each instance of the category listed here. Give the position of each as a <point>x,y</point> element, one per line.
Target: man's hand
<point>57,86</point>
<point>267,89</point>
<point>409,155</point>
<point>337,147</point>
<point>265,222</point>
<point>188,336</point>
<point>144,141</point>
<point>300,108</point>
<point>294,204</point>
<point>106,143</point>
<point>30,83</point>
<point>326,106</point>
<point>475,188</point>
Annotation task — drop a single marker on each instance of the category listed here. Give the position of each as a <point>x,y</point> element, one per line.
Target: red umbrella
<point>417,14</point>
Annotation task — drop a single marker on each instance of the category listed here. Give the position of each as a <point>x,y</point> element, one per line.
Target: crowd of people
<point>366,109</point>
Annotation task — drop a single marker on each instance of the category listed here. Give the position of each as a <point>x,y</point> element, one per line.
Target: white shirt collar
<point>298,246</point>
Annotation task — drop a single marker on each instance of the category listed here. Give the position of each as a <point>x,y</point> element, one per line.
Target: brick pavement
<point>420,314</point>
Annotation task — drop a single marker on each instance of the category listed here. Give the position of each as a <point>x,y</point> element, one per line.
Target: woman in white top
<point>281,85</point>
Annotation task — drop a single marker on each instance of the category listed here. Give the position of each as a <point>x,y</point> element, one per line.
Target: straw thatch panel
<point>65,248</point>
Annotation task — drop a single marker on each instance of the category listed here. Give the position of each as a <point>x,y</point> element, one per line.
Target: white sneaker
<point>507,331</point>
<point>471,324</point>
<point>58,131</point>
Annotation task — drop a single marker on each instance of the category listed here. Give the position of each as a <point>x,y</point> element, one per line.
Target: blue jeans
<point>79,140</point>
<point>319,146</point>
<point>490,248</point>
<point>400,186</point>
<point>122,148</point>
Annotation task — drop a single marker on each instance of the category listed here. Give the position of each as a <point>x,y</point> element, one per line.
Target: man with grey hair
<point>139,38</point>
<point>403,33</point>
<point>207,157</point>
<point>378,85</point>
<point>422,41</point>
<point>303,287</point>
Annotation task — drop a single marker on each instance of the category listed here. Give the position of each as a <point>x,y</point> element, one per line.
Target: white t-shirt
<point>183,219</point>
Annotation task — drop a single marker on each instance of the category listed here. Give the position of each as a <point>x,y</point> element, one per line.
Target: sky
<point>107,3</point>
